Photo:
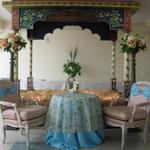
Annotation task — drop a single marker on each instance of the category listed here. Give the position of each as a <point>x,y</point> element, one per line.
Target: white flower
<point>3,35</point>
<point>132,42</point>
<point>141,42</point>
<point>11,42</point>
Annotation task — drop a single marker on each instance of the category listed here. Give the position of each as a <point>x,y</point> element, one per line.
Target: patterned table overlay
<point>74,112</point>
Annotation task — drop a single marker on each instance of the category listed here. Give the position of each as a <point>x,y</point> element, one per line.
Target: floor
<point>112,141</point>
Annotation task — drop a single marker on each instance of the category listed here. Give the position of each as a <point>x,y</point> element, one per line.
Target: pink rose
<point>4,43</point>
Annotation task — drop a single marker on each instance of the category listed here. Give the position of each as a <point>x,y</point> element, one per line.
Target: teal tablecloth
<point>74,120</point>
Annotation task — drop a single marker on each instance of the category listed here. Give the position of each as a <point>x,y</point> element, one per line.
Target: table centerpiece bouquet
<point>72,68</point>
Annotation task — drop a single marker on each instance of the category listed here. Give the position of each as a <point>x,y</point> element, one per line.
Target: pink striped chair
<point>135,114</point>
<point>23,118</point>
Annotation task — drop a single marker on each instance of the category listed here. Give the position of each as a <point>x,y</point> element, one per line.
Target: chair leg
<point>4,133</point>
<point>145,132</point>
<point>21,131</point>
<point>27,136</point>
<point>124,131</point>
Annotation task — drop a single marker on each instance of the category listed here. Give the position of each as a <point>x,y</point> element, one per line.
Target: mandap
<point>103,17</point>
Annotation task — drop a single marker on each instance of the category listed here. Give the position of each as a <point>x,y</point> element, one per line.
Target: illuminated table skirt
<point>73,141</point>
<point>74,121</point>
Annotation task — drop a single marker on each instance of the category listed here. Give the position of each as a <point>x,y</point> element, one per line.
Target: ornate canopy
<point>104,17</point>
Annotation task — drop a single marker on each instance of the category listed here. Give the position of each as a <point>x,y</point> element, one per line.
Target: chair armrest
<point>8,104</point>
<point>127,99</point>
<point>139,105</point>
<point>143,104</point>
<point>14,105</point>
<point>120,101</point>
<point>35,102</point>
<point>26,102</point>
<point>112,103</point>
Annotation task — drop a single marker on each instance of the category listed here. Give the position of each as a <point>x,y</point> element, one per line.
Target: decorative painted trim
<point>73,3</point>
<point>127,19</point>
<point>15,19</point>
<point>114,17</point>
<point>29,16</point>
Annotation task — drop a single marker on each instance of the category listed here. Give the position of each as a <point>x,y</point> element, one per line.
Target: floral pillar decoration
<point>12,43</point>
<point>132,44</point>
<point>16,55</point>
<point>113,37</point>
<point>126,77</point>
<point>16,66</point>
<point>126,67</point>
<point>30,78</point>
<point>15,72</point>
<point>113,65</point>
<point>126,74</point>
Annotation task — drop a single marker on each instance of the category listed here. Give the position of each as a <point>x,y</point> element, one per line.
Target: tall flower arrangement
<point>132,43</point>
<point>72,68</point>
<point>12,42</point>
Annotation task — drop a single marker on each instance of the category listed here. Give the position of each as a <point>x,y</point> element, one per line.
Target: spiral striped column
<point>126,67</point>
<point>16,66</point>
<point>16,55</point>
<point>113,61</point>
<point>30,78</point>
<point>113,66</point>
<point>30,59</point>
<point>16,80</point>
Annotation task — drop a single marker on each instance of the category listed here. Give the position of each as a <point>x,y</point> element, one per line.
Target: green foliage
<point>12,42</point>
<point>72,68</point>
<point>132,43</point>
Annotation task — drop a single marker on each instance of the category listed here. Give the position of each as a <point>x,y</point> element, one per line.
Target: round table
<point>74,121</point>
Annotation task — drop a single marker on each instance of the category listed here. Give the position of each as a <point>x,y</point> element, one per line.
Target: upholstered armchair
<point>135,114</point>
<point>14,114</point>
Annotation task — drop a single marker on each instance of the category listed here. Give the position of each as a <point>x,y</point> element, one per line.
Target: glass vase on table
<point>72,86</point>
<point>69,83</point>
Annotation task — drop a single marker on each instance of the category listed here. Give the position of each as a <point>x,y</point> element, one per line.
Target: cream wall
<point>94,55</point>
<point>4,24</point>
<point>4,57</point>
<point>143,58</point>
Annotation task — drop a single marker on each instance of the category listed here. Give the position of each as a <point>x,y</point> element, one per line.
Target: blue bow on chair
<point>136,90</point>
<point>5,90</point>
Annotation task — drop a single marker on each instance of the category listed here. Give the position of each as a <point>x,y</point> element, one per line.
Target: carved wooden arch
<point>78,17</point>
<point>61,19</point>
<point>100,28</point>
<point>71,15</point>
